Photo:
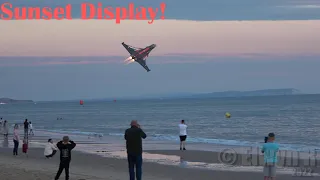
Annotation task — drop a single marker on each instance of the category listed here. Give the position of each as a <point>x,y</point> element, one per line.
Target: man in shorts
<point>270,150</point>
<point>183,134</point>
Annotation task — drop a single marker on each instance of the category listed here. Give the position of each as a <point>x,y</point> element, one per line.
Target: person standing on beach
<point>183,135</point>
<point>65,146</point>
<point>31,129</point>
<point>270,150</point>
<point>5,129</point>
<point>133,137</point>
<point>26,128</point>
<point>1,123</point>
<point>50,150</point>
<point>16,139</point>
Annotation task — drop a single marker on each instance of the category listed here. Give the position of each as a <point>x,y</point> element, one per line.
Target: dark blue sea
<point>294,119</point>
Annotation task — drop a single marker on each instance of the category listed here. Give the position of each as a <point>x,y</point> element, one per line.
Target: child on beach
<point>270,150</point>
<point>31,129</point>
<point>25,147</point>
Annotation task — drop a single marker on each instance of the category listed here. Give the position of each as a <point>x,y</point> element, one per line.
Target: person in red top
<point>25,147</point>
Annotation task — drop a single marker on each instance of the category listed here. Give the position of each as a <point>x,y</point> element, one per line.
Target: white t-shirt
<point>30,126</point>
<point>49,149</point>
<point>183,129</point>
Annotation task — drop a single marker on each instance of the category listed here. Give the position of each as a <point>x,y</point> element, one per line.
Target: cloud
<point>103,38</point>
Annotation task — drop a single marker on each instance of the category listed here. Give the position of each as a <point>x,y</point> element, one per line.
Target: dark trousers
<point>15,148</point>
<point>135,161</point>
<point>63,165</point>
<point>53,153</point>
<point>26,133</point>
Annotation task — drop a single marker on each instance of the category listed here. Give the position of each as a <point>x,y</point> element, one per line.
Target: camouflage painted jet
<point>139,55</point>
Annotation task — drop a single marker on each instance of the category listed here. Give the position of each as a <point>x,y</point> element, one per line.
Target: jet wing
<point>143,64</point>
<point>130,49</point>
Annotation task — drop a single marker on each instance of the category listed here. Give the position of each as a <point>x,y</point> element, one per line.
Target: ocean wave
<point>227,142</point>
<point>175,138</point>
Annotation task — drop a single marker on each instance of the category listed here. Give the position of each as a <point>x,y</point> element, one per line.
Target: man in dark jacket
<point>65,146</point>
<point>133,137</point>
<point>26,128</point>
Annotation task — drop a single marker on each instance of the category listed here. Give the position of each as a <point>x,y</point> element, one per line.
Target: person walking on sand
<point>270,150</point>
<point>65,146</point>
<point>16,139</point>
<point>183,135</point>
<point>26,128</point>
<point>5,129</point>
<point>133,137</point>
<point>50,150</point>
<point>31,129</point>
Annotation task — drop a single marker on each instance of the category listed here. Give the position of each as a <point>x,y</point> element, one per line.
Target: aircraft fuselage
<point>142,53</point>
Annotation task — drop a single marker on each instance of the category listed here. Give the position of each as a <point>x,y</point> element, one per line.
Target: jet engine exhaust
<point>129,60</point>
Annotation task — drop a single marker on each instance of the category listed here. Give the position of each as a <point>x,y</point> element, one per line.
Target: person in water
<point>270,150</point>
<point>133,137</point>
<point>50,150</point>
<point>65,146</point>
<point>183,135</point>
<point>16,139</point>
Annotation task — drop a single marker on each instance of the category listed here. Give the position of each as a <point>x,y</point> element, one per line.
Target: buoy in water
<point>228,115</point>
<point>81,102</point>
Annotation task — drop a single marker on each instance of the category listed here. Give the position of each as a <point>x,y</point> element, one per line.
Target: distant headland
<point>225,94</point>
<point>10,101</point>
<point>264,92</point>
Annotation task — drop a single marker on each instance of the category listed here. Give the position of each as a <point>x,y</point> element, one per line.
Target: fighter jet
<point>138,55</point>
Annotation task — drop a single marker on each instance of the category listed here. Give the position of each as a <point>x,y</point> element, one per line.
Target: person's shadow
<point>5,142</point>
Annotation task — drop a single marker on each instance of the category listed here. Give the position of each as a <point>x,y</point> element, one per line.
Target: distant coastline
<point>10,101</point>
<point>263,92</point>
<point>224,94</point>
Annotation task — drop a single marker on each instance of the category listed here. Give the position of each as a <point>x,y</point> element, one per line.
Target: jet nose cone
<point>154,45</point>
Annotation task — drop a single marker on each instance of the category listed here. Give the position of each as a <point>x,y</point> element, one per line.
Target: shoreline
<point>94,161</point>
<point>93,167</point>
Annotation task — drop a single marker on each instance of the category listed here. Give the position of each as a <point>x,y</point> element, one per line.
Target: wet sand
<point>94,167</point>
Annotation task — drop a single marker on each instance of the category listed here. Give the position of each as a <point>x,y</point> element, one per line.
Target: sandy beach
<point>86,166</point>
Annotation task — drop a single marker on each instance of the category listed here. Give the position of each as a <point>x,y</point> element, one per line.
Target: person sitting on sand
<point>16,139</point>
<point>50,150</point>
<point>183,135</point>
<point>133,137</point>
<point>270,150</point>
<point>65,146</point>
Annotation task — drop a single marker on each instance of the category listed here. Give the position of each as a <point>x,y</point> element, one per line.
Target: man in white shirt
<point>50,149</point>
<point>183,134</point>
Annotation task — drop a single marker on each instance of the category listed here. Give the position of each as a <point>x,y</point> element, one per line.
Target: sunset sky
<point>203,47</point>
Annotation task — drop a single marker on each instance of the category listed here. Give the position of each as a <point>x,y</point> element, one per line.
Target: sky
<point>202,46</point>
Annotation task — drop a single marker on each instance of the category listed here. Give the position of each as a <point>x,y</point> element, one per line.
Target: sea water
<point>294,119</point>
